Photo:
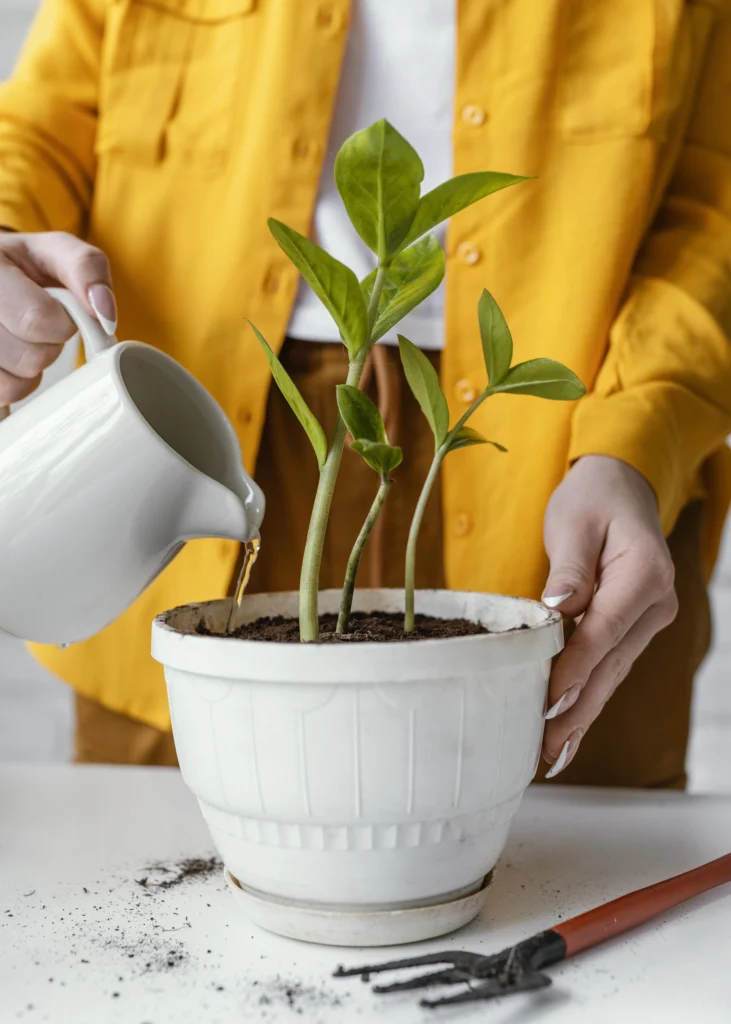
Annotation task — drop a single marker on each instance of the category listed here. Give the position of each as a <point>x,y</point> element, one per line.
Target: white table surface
<point>76,927</point>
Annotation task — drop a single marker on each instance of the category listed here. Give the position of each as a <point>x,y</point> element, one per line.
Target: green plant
<point>544,378</point>
<point>379,175</point>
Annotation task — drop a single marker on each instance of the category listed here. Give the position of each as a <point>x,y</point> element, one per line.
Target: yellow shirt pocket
<point>170,79</point>
<point>624,67</point>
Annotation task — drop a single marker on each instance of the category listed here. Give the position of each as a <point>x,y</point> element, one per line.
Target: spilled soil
<point>162,876</point>
<point>128,938</point>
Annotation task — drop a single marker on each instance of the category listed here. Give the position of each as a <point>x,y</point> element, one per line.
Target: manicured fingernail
<point>564,702</point>
<point>567,753</point>
<point>103,304</point>
<point>554,600</point>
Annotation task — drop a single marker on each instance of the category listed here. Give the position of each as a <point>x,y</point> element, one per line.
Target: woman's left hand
<point>611,566</point>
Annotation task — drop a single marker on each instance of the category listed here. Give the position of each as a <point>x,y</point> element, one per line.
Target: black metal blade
<point>450,976</point>
<point>515,969</point>
<point>469,962</point>
<point>522,981</point>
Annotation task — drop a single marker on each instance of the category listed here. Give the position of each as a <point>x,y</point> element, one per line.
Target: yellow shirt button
<point>469,253</point>
<point>473,115</point>
<point>326,18</point>
<point>271,282</point>
<point>462,524</point>
<point>465,391</point>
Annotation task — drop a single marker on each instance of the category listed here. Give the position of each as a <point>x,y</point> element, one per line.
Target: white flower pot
<point>360,778</point>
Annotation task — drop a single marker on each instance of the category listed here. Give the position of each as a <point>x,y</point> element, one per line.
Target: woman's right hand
<point>33,326</point>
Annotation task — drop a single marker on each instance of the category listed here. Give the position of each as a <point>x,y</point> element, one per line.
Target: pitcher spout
<point>254,503</point>
<point>213,510</point>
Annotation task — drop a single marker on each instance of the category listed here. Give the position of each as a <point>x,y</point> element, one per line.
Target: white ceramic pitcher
<point>103,478</point>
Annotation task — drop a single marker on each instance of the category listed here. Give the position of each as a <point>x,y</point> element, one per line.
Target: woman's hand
<point>611,566</point>
<point>33,326</point>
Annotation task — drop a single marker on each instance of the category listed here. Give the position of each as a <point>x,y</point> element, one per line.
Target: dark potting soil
<point>375,627</point>
<point>163,877</point>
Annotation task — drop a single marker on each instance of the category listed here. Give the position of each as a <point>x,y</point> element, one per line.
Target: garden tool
<point>519,968</point>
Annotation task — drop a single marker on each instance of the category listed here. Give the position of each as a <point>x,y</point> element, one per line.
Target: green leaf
<point>544,378</point>
<point>295,400</point>
<point>453,196</point>
<point>384,458</point>
<point>413,274</point>
<point>424,382</point>
<point>497,342</point>
<point>466,437</point>
<point>379,175</point>
<point>360,415</point>
<point>335,285</point>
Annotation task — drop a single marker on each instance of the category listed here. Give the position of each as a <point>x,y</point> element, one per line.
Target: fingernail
<point>564,702</point>
<point>567,753</point>
<point>554,600</point>
<point>103,304</point>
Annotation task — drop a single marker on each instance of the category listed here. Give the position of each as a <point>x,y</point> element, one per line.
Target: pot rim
<point>535,635</point>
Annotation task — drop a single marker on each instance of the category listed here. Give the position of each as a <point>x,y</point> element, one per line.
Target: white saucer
<point>331,927</point>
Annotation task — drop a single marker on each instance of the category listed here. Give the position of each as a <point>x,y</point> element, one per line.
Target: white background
<point>35,709</point>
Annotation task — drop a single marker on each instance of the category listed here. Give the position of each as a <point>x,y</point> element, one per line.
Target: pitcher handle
<point>93,337</point>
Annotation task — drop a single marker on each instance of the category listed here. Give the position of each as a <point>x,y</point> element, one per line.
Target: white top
<point>399,64</point>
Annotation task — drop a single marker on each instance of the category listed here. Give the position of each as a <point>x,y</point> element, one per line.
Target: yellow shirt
<point>166,131</point>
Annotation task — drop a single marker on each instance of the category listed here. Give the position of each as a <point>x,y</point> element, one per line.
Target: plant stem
<point>465,416</point>
<point>376,296</point>
<point>346,602</point>
<point>312,557</point>
<point>414,536</point>
<point>409,586</point>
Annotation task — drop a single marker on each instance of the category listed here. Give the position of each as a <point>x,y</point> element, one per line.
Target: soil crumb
<point>164,876</point>
<point>297,996</point>
<point>374,627</point>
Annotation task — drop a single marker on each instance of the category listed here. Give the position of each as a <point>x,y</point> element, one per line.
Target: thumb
<point>57,257</point>
<point>573,548</point>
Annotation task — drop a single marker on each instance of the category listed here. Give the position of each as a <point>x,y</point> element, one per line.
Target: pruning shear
<point>519,968</point>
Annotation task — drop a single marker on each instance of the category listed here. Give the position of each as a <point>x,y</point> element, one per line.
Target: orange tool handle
<point>635,908</point>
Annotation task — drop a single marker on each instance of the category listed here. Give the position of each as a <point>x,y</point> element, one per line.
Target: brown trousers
<point>641,736</point>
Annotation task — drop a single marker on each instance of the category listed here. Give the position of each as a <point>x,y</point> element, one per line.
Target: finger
<point>15,389</point>
<point>25,359</point>
<point>59,258</point>
<point>564,733</point>
<point>28,312</point>
<point>630,585</point>
<point>574,549</point>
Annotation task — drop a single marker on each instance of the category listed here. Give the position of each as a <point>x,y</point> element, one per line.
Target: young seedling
<point>368,431</point>
<point>544,378</point>
<point>378,175</point>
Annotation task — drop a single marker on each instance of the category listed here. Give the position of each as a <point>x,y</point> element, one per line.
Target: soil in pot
<point>376,627</point>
